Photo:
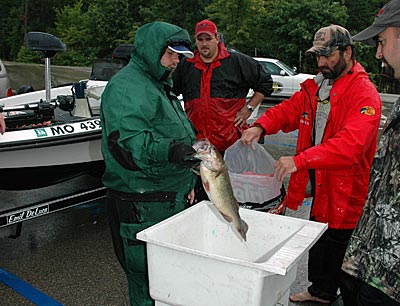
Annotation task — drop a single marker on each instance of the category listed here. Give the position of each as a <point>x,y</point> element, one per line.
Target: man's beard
<point>334,73</point>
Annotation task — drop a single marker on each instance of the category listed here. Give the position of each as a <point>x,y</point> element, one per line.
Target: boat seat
<point>44,42</point>
<point>107,73</point>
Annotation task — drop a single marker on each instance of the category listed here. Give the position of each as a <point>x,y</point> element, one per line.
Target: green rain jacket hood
<point>150,43</point>
<point>140,118</point>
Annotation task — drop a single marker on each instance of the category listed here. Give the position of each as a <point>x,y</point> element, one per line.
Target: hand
<point>242,115</point>
<point>251,134</point>
<point>283,166</point>
<point>191,197</point>
<point>2,124</point>
<point>183,154</point>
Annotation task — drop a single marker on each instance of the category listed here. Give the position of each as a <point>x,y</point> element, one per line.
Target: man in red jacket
<point>215,84</point>
<point>337,115</point>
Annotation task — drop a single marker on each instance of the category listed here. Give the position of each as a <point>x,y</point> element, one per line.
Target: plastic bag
<point>251,171</point>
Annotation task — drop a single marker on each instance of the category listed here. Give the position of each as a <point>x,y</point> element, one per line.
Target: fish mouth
<point>203,149</point>
<point>209,156</point>
<point>202,145</point>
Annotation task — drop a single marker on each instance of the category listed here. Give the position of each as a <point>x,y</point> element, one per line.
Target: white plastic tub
<point>195,258</point>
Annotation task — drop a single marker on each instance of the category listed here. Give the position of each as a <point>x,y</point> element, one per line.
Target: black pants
<point>358,293</point>
<point>325,262</point>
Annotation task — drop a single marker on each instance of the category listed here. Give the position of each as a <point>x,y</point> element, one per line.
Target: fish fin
<point>195,171</point>
<point>206,186</point>
<point>243,229</point>
<point>227,218</point>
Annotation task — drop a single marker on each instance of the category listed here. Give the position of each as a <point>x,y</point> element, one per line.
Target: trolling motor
<point>35,113</point>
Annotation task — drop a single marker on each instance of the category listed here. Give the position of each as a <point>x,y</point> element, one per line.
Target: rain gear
<point>215,92</point>
<point>140,118</point>
<point>342,162</point>
<point>373,252</point>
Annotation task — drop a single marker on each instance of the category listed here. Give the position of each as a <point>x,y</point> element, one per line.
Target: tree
<point>290,26</point>
<point>72,28</point>
<point>241,22</point>
<point>184,13</point>
<point>93,32</point>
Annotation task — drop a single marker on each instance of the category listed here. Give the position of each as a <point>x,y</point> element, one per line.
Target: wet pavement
<point>68,255</point>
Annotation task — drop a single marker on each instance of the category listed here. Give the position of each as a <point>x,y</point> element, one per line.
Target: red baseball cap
<point>205,26</point>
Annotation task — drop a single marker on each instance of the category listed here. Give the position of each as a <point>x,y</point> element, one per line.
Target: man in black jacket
<point>215,84</point>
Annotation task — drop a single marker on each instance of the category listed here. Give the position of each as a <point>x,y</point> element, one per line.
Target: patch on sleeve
<point>367,110</point>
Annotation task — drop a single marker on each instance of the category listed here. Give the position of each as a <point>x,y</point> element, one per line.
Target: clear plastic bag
<point>251,171</point>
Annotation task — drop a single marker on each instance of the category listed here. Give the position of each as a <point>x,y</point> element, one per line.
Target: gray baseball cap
<point>388,16</point>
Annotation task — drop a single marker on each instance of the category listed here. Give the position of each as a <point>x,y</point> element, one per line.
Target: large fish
<point>216,182</point>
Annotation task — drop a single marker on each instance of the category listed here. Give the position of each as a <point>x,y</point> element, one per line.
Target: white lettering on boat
<point>28,214</point>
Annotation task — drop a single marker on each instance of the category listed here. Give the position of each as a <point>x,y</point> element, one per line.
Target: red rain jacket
<point>343,160</point>
<point>214,93</point>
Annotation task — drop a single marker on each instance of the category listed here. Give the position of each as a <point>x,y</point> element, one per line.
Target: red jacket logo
<point>367,110</point>
<point>305,118</point>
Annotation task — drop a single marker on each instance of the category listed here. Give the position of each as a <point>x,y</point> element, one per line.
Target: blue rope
<point>32,294</point>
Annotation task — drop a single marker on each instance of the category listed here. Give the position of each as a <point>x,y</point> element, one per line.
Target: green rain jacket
<point>141,117</point>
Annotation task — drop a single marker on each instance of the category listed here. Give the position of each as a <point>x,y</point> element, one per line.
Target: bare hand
<point>283,166</point>
<point>191,197</point>
<point>251,134</point>
<point>2,124</point>
<point>242,115</point>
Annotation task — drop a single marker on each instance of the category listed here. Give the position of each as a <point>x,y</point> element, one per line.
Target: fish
<point>215,178</point>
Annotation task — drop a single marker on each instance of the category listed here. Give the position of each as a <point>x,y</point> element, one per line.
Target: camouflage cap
<point>329,39</point>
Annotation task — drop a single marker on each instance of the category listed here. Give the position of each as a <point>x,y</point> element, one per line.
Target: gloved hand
<point>183,154</point>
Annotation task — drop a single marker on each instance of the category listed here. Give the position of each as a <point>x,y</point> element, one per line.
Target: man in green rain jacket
<point>146,145</point>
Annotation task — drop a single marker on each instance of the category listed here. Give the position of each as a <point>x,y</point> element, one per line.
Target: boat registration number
<point>71,128</point>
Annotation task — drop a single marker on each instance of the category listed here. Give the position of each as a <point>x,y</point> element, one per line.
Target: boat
<point>54,135</point>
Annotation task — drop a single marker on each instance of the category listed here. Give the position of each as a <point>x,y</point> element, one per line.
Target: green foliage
<point>182,13</point>
<point>362,13</point>
<point>291,24</point>
<point>241,22</point>
<point>12,29</point>
<point>27,56</point>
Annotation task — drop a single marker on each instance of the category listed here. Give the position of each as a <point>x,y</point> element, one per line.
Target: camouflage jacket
<point>373,254</point>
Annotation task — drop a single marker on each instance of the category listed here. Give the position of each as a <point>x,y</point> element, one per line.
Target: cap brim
<point>181,49</point>
<point>368,35</point>
<point>205,32</point>
<point>320,50</point>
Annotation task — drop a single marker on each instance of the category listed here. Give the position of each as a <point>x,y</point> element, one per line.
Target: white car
<point>286,80</point>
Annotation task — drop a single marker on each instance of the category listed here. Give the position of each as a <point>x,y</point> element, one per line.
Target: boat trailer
<point>16,216</point>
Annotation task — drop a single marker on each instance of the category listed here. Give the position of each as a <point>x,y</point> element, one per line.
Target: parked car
<point>5,87</point>
<point>286,80</point>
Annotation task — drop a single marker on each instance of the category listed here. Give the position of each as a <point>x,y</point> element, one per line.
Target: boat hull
<point>38,177</point>
<point>34,158</point>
